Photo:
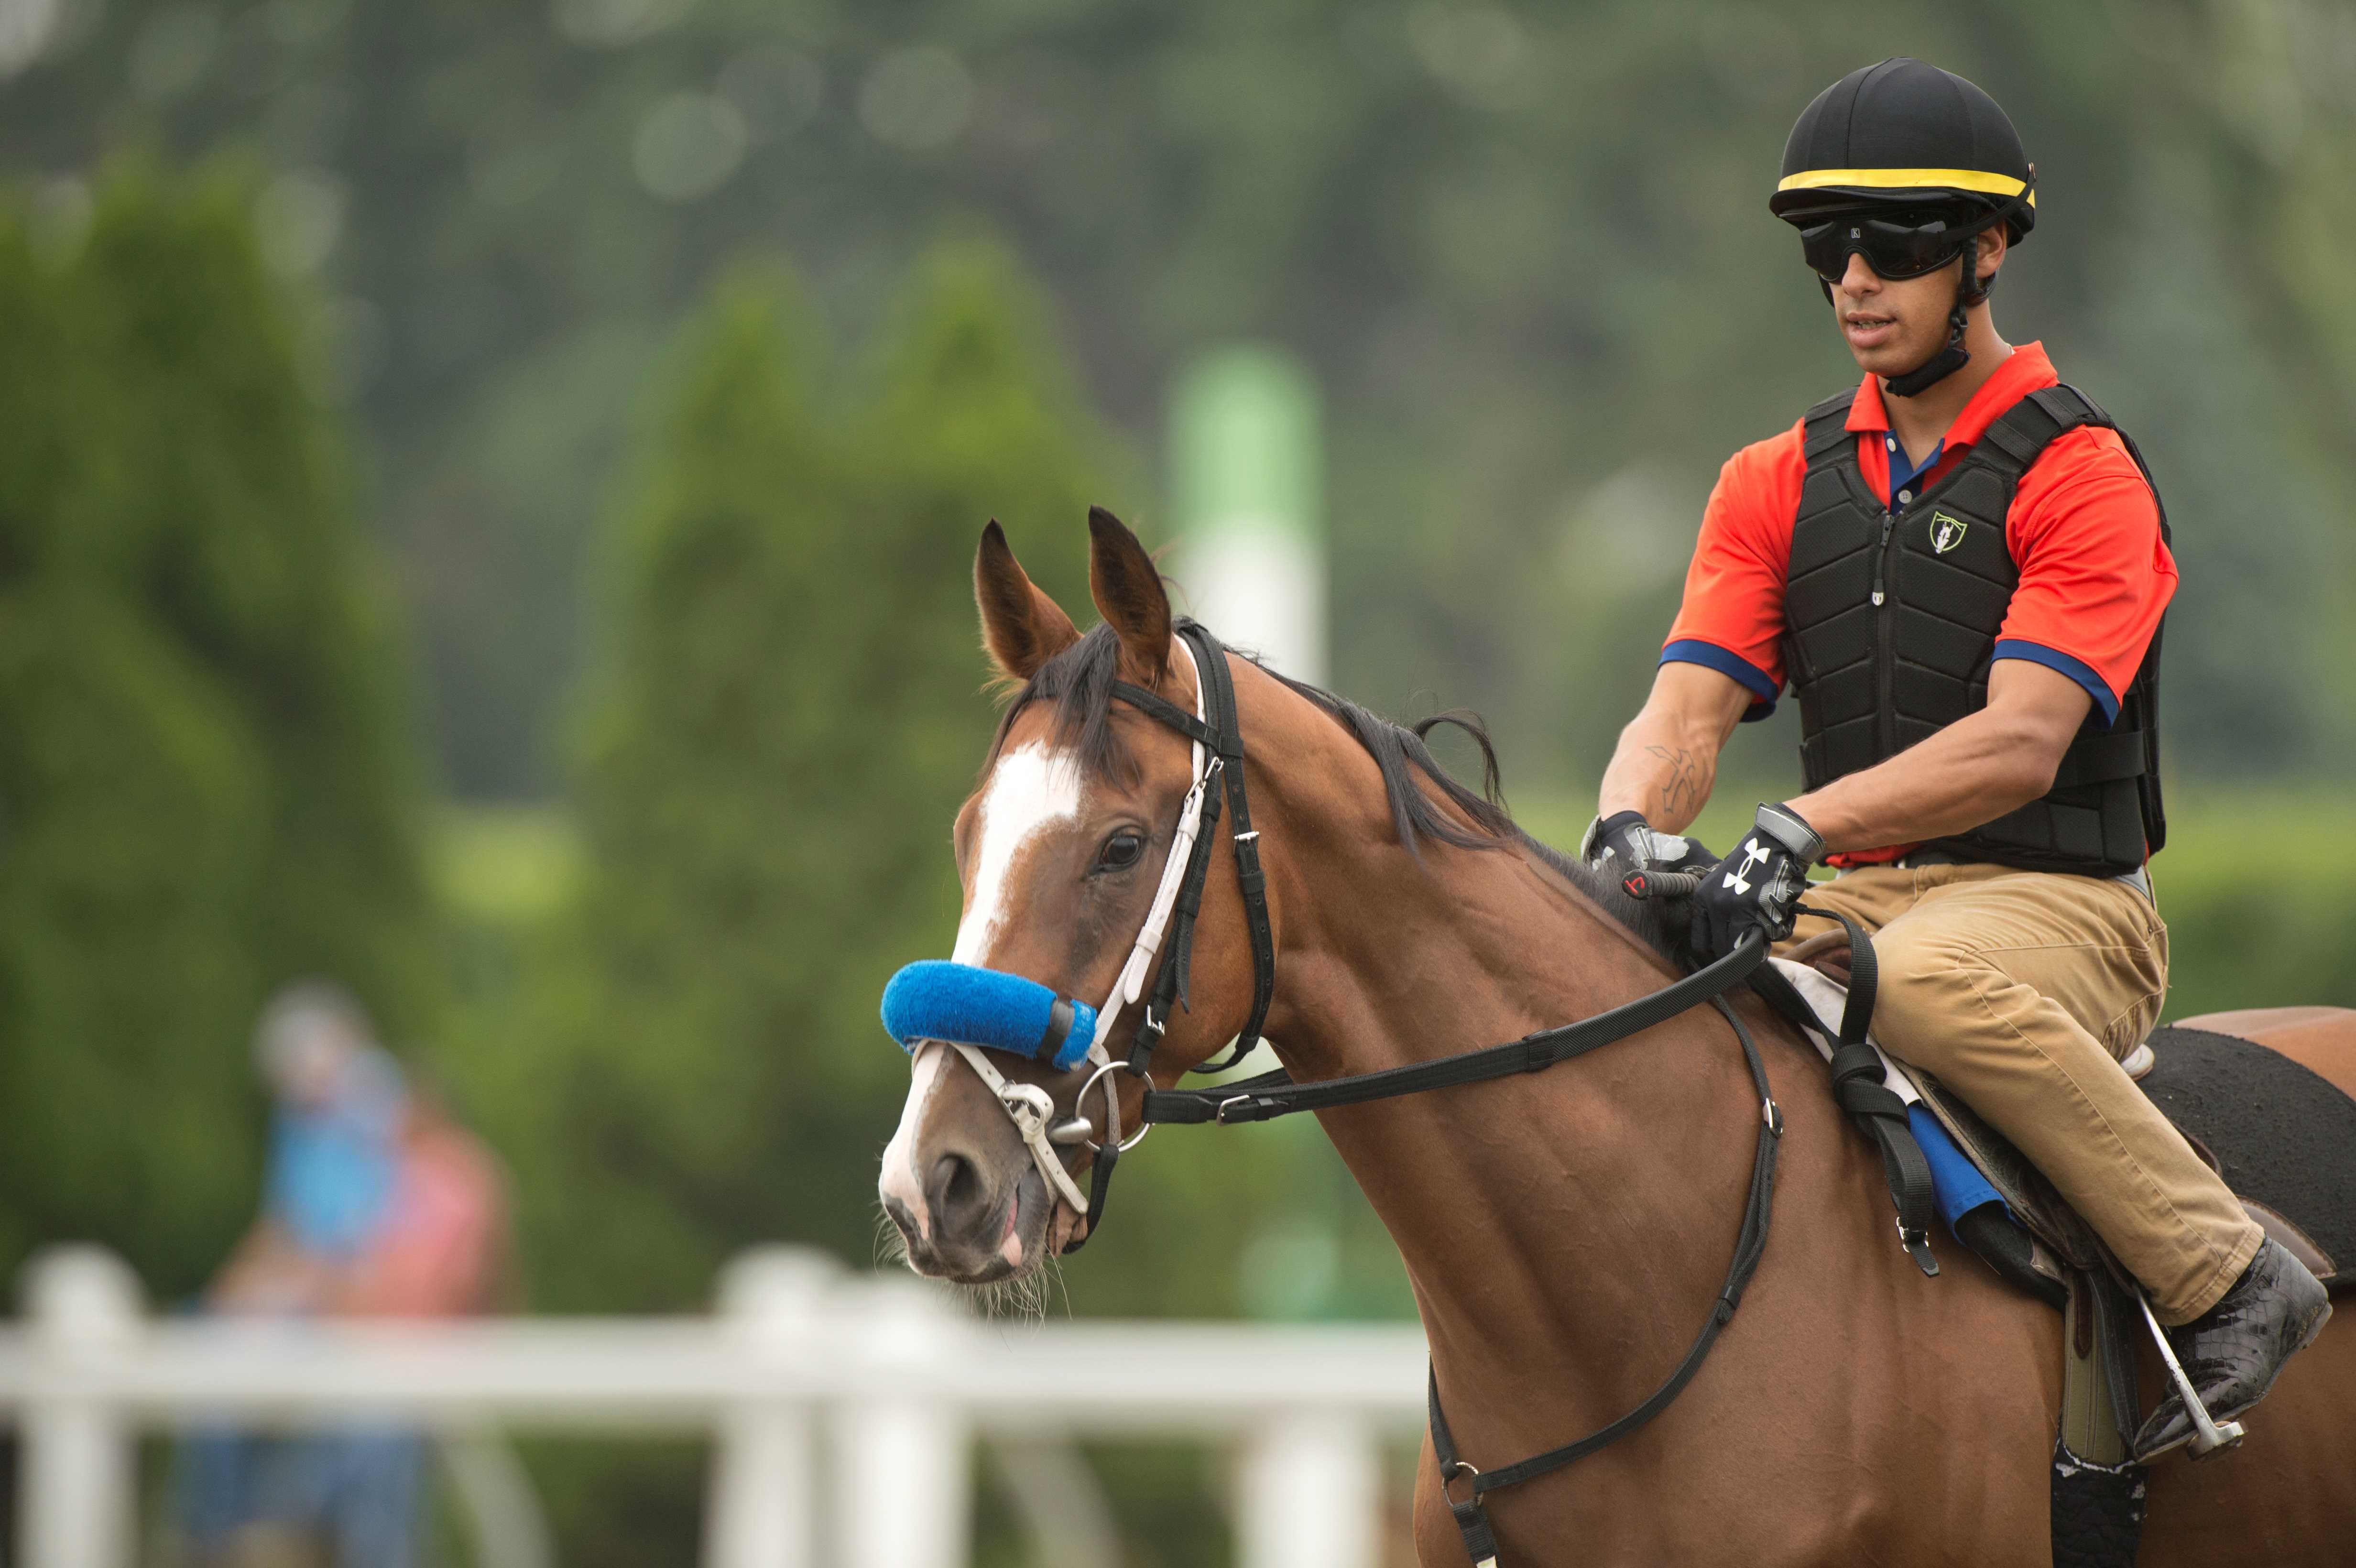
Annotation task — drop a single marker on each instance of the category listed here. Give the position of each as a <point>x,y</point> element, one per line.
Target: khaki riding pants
<point>2020,991</point>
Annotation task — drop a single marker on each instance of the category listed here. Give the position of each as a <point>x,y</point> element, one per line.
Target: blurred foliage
<point>1525,247</point>
<point>2259,914</point>
<point>205,783</point>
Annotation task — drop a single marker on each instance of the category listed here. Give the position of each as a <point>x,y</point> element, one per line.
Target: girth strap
<point>1749,1246</point>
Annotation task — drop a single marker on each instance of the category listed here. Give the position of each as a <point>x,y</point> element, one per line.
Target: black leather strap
<point>1749,1246</point>
<point>1864,976</point>
<point>1858,1085</point>
<point>1216,732</point>
<point>1155,706</point>
<point>1099,1186</point>
<point>1250,875</point>
<point>1275,1094</point>
<point>1219,732</point>
<point>1059,1028</point>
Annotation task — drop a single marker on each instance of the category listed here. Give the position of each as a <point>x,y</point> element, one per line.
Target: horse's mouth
<point>1012,1243</point>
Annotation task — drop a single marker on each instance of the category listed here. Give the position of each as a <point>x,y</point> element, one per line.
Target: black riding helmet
<point>1904,159</point>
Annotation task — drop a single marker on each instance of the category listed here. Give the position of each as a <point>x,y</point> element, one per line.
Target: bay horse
<point>1565,1232</point>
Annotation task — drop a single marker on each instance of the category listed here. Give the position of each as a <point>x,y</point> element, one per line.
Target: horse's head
<point>1060,850</point>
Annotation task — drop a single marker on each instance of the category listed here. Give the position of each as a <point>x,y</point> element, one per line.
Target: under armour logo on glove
<point>1758,886</point>
<point>1753,854</point>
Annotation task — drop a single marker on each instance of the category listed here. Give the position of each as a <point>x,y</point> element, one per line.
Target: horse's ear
<point>1021,626</point>
<point>1128,594</point>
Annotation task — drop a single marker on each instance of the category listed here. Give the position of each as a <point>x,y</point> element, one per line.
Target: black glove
<point>1758,886</point>
<point>1624,846</point>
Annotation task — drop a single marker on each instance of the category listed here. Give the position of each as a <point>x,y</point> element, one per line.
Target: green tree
<point>681,975</point>
<point>235,516</point>
<point>206,785</point>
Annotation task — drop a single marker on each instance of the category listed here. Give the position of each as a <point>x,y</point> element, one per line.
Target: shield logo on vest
<point>1946,533</point>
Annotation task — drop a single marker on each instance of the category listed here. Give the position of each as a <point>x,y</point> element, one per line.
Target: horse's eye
<point>1120,851</point>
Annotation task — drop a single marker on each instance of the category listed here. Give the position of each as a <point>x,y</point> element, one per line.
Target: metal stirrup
<point>2208,1435</point>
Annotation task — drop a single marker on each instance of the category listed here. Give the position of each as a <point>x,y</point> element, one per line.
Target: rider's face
<point>1892,325</point>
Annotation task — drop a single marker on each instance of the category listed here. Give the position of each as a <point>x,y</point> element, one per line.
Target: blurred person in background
<point>375,1204</point>
<point>1961,567</point>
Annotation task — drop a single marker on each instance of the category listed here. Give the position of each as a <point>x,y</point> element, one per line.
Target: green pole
<point>1245,466</point>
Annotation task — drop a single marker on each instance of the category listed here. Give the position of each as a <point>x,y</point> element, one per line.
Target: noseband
<point>1217,737</point>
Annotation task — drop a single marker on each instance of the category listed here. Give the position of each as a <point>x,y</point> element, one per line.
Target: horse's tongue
<point>1009,1247</point>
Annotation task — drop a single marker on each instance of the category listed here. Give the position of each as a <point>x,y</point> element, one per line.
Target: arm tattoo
<point>1680,786</point>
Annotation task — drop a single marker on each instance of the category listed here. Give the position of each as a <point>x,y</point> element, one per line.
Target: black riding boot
<point>2235,1352</point>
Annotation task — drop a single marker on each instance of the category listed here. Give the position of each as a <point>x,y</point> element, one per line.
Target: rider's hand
<point>1625,845</point>
<point>1758,886</point>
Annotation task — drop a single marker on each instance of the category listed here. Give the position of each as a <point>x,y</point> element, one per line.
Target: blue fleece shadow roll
<point>936,999</point>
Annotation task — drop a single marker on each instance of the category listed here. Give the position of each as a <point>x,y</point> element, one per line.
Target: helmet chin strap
<point>1953,355</point>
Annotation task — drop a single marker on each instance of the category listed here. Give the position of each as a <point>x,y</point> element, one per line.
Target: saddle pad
<point>2283,1135</point>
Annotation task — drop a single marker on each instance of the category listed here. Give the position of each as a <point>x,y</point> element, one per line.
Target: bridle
<point>1216,740</point>
<point>1214,733</point>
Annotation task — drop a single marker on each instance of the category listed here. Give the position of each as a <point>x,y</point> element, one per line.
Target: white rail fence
<point>844,1408</point>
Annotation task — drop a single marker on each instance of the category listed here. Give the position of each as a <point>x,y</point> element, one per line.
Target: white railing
<point>844,1407</point>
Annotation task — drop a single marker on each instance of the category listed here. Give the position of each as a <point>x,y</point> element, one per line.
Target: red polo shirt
<point>2084,531</point>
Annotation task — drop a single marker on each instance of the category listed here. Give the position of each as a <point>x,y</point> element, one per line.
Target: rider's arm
<point>1723,662</point>
<point>1668,758</point>
<point>1966,775</point>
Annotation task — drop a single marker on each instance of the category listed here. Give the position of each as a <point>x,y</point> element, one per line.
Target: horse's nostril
<point>955,1195</point>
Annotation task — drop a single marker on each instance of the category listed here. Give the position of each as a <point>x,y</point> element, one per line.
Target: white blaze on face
<point>899,1181</point>
<point>1032,789</point>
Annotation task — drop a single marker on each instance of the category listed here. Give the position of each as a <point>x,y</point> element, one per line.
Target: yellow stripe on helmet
<point>1908,179</point>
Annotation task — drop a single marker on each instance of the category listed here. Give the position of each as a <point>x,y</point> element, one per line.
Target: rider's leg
<point>2021,992</point>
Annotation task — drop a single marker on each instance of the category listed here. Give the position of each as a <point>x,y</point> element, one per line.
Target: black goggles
<point>1901,245</point>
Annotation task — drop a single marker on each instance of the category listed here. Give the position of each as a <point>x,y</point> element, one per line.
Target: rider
<point>1960,568</point>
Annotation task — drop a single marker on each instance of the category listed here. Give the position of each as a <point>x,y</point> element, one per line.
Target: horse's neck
<point>1571,1225</point>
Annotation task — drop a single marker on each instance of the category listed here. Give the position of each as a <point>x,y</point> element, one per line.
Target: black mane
<point>1077,683</point>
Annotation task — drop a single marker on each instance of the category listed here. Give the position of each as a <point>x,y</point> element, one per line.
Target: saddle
<point>2276,1132</point>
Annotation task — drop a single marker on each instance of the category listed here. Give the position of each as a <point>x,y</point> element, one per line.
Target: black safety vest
<point>1892,619</point>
